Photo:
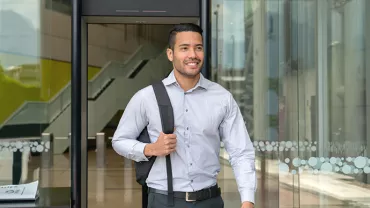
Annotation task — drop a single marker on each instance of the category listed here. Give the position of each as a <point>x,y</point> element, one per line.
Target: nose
<point>192,53</point>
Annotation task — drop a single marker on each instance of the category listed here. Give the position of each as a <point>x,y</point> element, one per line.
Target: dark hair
<point>182,27</point>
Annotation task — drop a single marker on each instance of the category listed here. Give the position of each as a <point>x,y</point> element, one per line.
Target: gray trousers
<point>156,200</point>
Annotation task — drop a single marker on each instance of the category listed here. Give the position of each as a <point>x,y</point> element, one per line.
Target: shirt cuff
<point>138,152</point>
<point>247,196</point>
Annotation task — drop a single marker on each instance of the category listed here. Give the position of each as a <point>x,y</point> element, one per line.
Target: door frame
<point>79,81</point>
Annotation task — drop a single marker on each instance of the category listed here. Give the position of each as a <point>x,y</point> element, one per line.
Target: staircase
<point>147,64</point>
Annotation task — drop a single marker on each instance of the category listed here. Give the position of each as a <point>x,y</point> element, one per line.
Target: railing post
<point>17,167</point>
<point>70,139</point>
<point>47,160</point>
<point>48,154</point>
<point>100,150</point>
<point>100,164</point>
<point>128,182</point>
<point>100,185</point>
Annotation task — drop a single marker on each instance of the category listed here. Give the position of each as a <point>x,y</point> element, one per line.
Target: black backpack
<point>143,168</point>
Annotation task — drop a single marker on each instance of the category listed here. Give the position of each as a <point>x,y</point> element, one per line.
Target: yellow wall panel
<point>54,76</point>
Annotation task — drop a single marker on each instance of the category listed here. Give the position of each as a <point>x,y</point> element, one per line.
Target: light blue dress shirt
<point>203,115</point>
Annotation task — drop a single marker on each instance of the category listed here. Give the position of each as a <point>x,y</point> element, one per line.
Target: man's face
<point>187,55</point>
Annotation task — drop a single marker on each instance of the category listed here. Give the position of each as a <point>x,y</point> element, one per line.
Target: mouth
<point>192,63</point>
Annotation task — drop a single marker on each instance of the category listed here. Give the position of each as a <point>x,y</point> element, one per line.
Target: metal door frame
<point>78,147</point>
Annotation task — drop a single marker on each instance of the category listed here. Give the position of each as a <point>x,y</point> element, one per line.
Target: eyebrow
<point>185,44</point>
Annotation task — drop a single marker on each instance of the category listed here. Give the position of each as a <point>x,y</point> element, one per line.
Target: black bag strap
<point>167,119</point>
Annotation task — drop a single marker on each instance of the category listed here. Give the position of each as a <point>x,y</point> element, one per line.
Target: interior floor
<point>115,184</point>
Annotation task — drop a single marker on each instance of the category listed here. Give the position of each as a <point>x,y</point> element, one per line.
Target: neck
<point>186,82</point>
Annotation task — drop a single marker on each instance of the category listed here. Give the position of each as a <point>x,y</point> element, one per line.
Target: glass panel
<point>34,67</point>
<point>339,167</point>
<point>245,57</point>
<point>299,71</point>
<point>127,65</point>
<point>302,94</point>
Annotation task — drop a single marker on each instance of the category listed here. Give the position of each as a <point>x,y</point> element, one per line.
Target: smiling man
<point>204,113</point>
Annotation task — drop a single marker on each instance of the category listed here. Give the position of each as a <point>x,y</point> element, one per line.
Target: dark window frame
<point>62,6</point>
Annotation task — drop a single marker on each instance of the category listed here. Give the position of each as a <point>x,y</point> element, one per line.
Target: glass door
<point>299,72</point>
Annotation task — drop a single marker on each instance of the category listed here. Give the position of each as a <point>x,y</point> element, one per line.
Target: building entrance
<point>95,21</point>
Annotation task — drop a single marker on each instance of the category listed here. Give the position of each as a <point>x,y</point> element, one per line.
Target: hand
<point>247,205</point>
<point>165,145</point>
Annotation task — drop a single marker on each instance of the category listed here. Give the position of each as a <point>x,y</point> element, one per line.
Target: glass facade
<point>34,77</point>
<point>35,90</point>
<point>299,70</point>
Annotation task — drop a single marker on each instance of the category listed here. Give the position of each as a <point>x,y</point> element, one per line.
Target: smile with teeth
<point>192,63</point>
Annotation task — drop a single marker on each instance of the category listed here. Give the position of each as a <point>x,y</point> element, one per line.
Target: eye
<point>183,48</point>
<point>199,48</point>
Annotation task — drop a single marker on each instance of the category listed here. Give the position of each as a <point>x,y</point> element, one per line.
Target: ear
<point>169,54</point>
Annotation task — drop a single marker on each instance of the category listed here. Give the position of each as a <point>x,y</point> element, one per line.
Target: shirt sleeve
<point>241,151</point>
<point>132,123</point>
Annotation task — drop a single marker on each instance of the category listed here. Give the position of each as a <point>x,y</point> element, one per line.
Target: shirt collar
<point>171,79</point>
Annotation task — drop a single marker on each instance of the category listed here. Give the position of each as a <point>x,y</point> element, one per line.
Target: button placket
<point>186,132</point>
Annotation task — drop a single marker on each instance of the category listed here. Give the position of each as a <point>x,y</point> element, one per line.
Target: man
<point>204,113</point>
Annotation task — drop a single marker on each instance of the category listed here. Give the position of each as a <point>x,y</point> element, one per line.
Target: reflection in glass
<point>30,76</point>
<point>21,144</point>
<point>298,70</point>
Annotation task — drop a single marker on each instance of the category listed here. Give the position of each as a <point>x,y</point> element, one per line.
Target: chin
<point>192,72</point>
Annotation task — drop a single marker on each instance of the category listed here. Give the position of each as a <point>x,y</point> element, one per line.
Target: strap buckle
<point>187,198</point>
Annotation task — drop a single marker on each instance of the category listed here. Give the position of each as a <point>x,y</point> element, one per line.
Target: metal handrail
<point>46,112</point>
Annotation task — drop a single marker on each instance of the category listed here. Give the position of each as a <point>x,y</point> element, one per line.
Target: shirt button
<point>191,164</point>
<point>187,128</point>
<point>186,110</point>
